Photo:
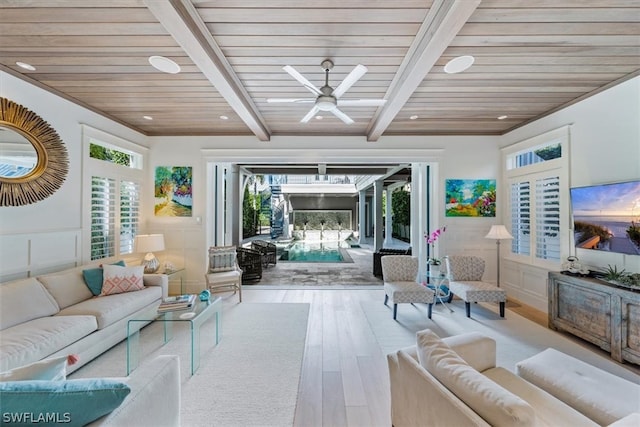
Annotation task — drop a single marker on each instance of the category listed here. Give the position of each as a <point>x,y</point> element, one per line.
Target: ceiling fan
<point>328,98</point>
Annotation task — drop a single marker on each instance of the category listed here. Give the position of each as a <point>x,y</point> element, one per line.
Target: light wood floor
<point>344,379</point>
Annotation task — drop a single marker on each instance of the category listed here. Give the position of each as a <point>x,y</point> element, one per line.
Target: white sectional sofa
<point>57,314</point>
<point>454,381</point>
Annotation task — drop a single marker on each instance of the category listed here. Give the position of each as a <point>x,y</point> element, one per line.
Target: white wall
<point>604,148</point>
<point>462,157</point>
<point>46,235</point>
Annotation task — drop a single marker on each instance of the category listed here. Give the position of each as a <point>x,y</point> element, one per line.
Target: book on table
<point>180,302</point>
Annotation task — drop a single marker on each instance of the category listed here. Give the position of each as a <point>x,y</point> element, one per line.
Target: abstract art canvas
<point>173,192</point>
<point>470,197</point>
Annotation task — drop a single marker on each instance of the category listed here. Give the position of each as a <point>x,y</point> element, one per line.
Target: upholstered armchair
<point>465,281</point>
<point>399,273</point>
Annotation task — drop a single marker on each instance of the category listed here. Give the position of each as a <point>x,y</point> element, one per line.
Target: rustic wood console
<point>601,313</point>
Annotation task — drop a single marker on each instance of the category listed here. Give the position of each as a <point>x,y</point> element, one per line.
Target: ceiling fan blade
<point>342,116</point>
<point>361,102</point>
<point>290,100</point>
<point>299,77</point>
<point>348,81</point>
<point>310,114</point>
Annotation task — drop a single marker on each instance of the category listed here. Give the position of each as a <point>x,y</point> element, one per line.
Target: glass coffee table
<point>196,316</point>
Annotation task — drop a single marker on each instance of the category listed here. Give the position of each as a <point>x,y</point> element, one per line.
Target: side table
<point>176,274</point>
<point>436,281</point>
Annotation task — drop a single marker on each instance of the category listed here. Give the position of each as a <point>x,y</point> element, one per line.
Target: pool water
<point>314,252</point>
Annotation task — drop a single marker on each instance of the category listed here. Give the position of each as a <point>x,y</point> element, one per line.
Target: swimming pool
<point>316,252</point>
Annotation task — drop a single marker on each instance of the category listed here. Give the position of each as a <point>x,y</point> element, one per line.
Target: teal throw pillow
<point>93,278</point>
<point>59,403</point>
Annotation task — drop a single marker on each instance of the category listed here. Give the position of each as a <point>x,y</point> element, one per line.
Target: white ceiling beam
<point>442,23</point>
<point>181,20</point>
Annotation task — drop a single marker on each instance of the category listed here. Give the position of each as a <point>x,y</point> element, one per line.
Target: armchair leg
<point>386,299</point>
<point>467,306</point>
<point>395,311</point>
<point>429,310</point>
<point>502,309</point>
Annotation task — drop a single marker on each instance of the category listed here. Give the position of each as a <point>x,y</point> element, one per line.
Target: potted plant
<point>431,239</point>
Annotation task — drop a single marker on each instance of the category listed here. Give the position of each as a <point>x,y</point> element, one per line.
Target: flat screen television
<point>607,217</point>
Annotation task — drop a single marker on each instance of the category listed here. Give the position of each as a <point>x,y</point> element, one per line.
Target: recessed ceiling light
<point>459,64</point>
<point>224,118</point>
<point>25,66</point>
<point>163,64</point>
<point>502,117</point>
<point>147,117</point>
<point>413,117</point>
<point>319,117</point>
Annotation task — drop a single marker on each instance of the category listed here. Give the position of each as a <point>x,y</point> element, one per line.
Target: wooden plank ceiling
<point>531,58</point>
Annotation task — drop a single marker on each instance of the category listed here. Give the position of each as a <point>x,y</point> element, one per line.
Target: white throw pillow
<point>222,258</point>
<point>495,404</point>
<point>117,279</point>
<point>54,369</point>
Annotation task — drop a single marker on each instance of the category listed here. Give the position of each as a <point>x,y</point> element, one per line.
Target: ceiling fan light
<point>459,64</point>
<point>326,103</point>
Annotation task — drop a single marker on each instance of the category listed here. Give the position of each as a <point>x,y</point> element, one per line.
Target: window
<point>538,196</point>
<point>520,218</point>
<point>114,175</point>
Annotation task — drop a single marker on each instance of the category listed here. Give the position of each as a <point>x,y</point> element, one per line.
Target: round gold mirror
<point>33,160</point>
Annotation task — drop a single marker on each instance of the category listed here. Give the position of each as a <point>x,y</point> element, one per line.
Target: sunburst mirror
<point>33,159</point>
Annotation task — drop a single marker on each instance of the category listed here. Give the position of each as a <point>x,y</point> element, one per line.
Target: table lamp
<point>498,232</point>
<point>149,243</point>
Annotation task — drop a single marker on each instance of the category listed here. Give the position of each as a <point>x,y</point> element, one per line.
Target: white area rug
<point>517,338</point>
<point>251,378</point>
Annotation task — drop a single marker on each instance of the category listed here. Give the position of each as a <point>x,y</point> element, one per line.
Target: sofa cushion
<point>36,339</point>
<point>54,369</point>
<point>66,287</point>
<point>60,403</point>
<point>93,277</point>
<point>24,300</point>
<point>492,402</point>
<point>549,410</point>
<point>599,395</point>
<point>109,309</point>
<point>222,258</point>
<point>118,280</point>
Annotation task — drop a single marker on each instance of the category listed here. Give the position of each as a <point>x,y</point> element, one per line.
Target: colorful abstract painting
<point>470,197</point>
<point>173,192</point>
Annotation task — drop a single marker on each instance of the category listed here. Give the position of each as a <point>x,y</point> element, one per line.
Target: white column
<point>234,209</point>
<point>362,206</point>
<point>377,215</point>
<point>286,232</point>
<point>388,223</point>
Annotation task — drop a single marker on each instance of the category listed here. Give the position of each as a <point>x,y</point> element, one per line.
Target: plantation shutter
<point>521,218</point>
<point>129,214</point>
<point>548,218</point>
<point>103,209</point>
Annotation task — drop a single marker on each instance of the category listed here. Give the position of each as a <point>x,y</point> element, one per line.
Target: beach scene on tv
<point>607,217</point>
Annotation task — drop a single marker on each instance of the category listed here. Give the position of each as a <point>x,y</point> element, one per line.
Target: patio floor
<point>306,274</point>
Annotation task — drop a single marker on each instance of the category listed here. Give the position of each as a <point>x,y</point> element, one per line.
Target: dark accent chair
<point>250,261</point>
<point>377,256</point>
<point>268,251</point>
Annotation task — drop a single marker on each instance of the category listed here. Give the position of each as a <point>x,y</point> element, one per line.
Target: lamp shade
<point>149,243</point>
<point>498,232</point>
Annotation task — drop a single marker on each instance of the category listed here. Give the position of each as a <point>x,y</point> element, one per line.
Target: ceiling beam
<point>440,26</point>
<point>181,20</point>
